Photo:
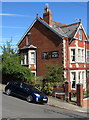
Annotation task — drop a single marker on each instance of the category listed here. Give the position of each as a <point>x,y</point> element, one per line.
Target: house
<point>50,42</point>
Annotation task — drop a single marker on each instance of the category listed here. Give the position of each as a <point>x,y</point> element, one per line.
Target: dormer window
<point>80,34</point>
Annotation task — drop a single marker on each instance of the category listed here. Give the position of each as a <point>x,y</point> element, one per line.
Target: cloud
<point>16,15</point>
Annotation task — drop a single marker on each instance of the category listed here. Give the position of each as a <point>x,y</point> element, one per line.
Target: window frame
<point>45,55</point>
<point>72,55</point>
<point>87,57</point>
<point>57,53</point>
<point>34,58</point>
<point>80,34</point>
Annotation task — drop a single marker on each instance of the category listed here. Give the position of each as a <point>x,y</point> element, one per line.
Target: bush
<point>11,66</point>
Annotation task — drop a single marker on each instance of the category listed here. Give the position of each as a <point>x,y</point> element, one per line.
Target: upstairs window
<point>51,54</point>
<point>80,34</point>
<point>72,55</point>
<point>45,55</point>
<point>87,56</point>
<point>54,54</point>
<point>32,58</point>
<point>81,55</point>
<point>25,58</point>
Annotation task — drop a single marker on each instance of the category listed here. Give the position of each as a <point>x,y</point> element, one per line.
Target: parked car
<point>26,91</point>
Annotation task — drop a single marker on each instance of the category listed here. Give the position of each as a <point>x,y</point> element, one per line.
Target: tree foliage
<point>11,66</point>
<point>55,73</point>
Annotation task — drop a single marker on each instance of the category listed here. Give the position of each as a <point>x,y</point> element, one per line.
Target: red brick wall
<point>45,41</point>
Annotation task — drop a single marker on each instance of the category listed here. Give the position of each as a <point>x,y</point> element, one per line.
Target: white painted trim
<point>83,81</point>
<point>29,57</point>
<point>86,56</point>
<point>78,30</point>
<point>76,54</point>
<point>33,72</point>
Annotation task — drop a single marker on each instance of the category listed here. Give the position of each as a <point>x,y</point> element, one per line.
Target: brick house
<point>50,42</point>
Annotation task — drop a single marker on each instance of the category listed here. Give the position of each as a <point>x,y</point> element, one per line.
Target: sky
<point>18,16</point>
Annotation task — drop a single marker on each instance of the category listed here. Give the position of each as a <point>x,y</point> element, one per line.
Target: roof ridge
<point>59,22</point>
<point>69,25</point>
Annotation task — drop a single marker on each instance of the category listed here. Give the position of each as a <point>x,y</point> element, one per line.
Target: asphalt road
<point>13,107</point>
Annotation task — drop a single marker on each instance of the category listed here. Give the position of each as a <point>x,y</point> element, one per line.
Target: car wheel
<point>29,98</point>
<point>8,91</point>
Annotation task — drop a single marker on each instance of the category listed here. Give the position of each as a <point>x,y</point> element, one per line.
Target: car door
<point>16,88</point>
<point>23,90</point>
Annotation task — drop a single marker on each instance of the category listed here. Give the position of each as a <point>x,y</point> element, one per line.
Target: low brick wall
<point>86,102</point>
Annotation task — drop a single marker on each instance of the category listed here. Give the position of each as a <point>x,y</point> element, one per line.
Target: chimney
<point>47,15</point>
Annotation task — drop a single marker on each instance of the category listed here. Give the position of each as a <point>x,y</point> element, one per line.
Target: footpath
<point>65,105</point>
<point>52,101</point>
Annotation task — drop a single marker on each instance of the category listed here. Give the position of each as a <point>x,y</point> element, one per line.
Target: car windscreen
<point>35,89</point>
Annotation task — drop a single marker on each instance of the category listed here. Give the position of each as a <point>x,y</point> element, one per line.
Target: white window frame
<point>34,57</point>
<point>25,57</point>
<point>71,48</point>
<point>81,55</point>
<point>80,58</point>
<point>77,80</point>
<point>80,34</point>
<point>34,72</point>
<point>87,57</point>
<point>72,79</point>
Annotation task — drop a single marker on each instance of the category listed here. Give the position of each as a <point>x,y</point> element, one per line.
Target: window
<point>45,55</point>
<point>81,77</point>
<point>80,55</point>
<point>87,73</point>
<point>51,54</point>
<point>87,56</point>
<point>73,77</point>
<point>78,76</point>
<point>32,58</point>
<point>25,58</point>
<point>72,55</point>
<point>54,54</point>
<point>80,34</point>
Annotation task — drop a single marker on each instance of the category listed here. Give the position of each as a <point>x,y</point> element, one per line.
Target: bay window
<point>73,79</point>
<point>32,58</point>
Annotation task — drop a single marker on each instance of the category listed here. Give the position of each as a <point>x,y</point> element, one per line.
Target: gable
<point>84,36</point>
<point>59,33</point>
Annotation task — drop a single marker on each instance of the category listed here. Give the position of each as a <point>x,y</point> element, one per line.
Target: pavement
<point>52,101</point>
<point>66,105</point>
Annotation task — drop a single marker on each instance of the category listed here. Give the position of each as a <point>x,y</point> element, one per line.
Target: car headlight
<point>37,95</point>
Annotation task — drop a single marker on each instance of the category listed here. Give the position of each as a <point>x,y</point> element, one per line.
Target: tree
<point>55,73</point>
<point>11,67</point>
<point>53,77</point>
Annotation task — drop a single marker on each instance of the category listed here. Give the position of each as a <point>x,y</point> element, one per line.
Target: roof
<point>29,47</point>
<point>60,33</point>
<point>69,30</point>
<point>61,29</point>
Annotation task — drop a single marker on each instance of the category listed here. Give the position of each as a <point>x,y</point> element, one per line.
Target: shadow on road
<point>23,99</point>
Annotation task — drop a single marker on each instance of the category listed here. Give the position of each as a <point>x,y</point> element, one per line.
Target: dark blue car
<point>26,91</point>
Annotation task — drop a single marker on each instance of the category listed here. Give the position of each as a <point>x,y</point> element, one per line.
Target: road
<point>13,107</point>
